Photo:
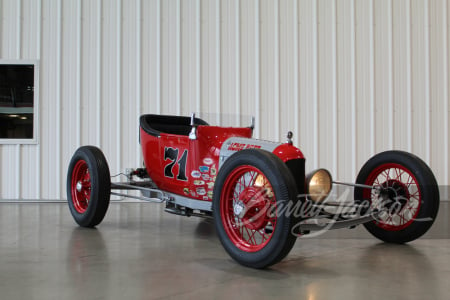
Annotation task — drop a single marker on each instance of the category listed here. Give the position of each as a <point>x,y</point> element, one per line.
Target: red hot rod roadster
<point>256,191</point>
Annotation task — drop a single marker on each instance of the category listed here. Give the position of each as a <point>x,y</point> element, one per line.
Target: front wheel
<point>405,192</point>
<point>250,191</point>
<point>88,186</point>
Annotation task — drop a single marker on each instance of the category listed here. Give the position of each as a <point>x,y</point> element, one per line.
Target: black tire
<point>411,196</point>
<point>276,187</point>
<point>88,186</point>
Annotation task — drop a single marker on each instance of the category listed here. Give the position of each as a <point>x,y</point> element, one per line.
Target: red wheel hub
<point>397,194</point>
<point>81,186</point>
<point>255,203</point>
<point>246,206</point>
<point>400,197</point>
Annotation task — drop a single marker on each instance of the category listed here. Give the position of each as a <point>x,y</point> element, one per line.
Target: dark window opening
<point>16,101</point>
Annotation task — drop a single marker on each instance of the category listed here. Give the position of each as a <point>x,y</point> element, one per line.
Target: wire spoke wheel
<point>405,194</point>
<point>248,209</point>
<point>400,198</point>
<point>250,187</point>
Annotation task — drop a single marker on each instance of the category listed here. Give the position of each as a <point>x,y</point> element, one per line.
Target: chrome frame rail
<point>155,195</point>
<point>364,186</point>
<point>338,224</point>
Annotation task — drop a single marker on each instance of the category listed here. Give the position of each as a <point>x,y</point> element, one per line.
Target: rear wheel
<point>88,186</point>
<point>405,191</point>
<point>250,191</point>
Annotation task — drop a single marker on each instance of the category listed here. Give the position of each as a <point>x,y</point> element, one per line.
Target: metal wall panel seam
<point>78,75</point>
<point>296,74</point>
<point>19,29</point>
<point>19,46</point>
<point>372,79</point>
<point>119,84</point>
<point>138,76</point>
<point>277,70</point>
<point>391,75</point>
<point>58,93</point>
<point>427,81</point>
<point>316,86</point>
<point>1,50</point>
<point>238,60</point>
<point>446,90</point>
<point>99,74</point>
<point>353,63</point>
<point>198,64</point>
<point>18,168</point>
<point>409,77</point>
<point>335,92</point>
<point>37,109</point>
<point>218,66</point>
<point>257,75</point>
<point>158,56</point>
<point>178,57</point>
<point>1,30</point>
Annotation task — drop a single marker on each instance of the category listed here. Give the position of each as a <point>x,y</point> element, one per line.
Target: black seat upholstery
<point>157,124</point>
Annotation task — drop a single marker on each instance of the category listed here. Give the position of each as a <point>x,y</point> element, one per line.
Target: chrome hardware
<point>289,137</point>
<point>193,133</point>
<point>79,187</point>
<point>239,209</point>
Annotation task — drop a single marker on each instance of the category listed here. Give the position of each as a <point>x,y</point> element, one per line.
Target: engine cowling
<point>284,151</point>
<point>289,154</point>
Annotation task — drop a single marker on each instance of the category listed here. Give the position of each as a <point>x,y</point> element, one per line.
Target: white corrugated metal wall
<point>349,77</point>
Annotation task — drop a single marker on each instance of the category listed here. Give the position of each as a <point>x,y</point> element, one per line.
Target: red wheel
<point>250,188</point>
<point>88,186</point>
<point>247,201</point>
<point>402,193</point>
<point>81,186</point>
<point>405,192</point>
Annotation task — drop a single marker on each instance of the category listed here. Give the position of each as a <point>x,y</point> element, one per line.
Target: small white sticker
<point>201,191</point>
<point>196,174</point>
<point>208,161</point>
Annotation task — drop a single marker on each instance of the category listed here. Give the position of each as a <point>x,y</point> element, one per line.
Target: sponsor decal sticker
<point>199,182</point>
<point>205,177</point>
<point>241,146</point>
<point>186,191</point>
<point>213,170</point>
<point>196,174</point>
<point>204,169</point>
<point>210,194</point>
<point>210,185</point>
<point>208,161</point>
<point>201,191</point>
<point>205,198</point>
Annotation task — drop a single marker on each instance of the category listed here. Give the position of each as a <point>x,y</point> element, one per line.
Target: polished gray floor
<point>140,252</point>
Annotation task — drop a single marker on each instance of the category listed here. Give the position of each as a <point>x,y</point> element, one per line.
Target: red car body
<point>188,167</point>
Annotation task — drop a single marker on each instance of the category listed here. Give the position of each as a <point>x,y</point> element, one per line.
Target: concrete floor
<point>140,252</point>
